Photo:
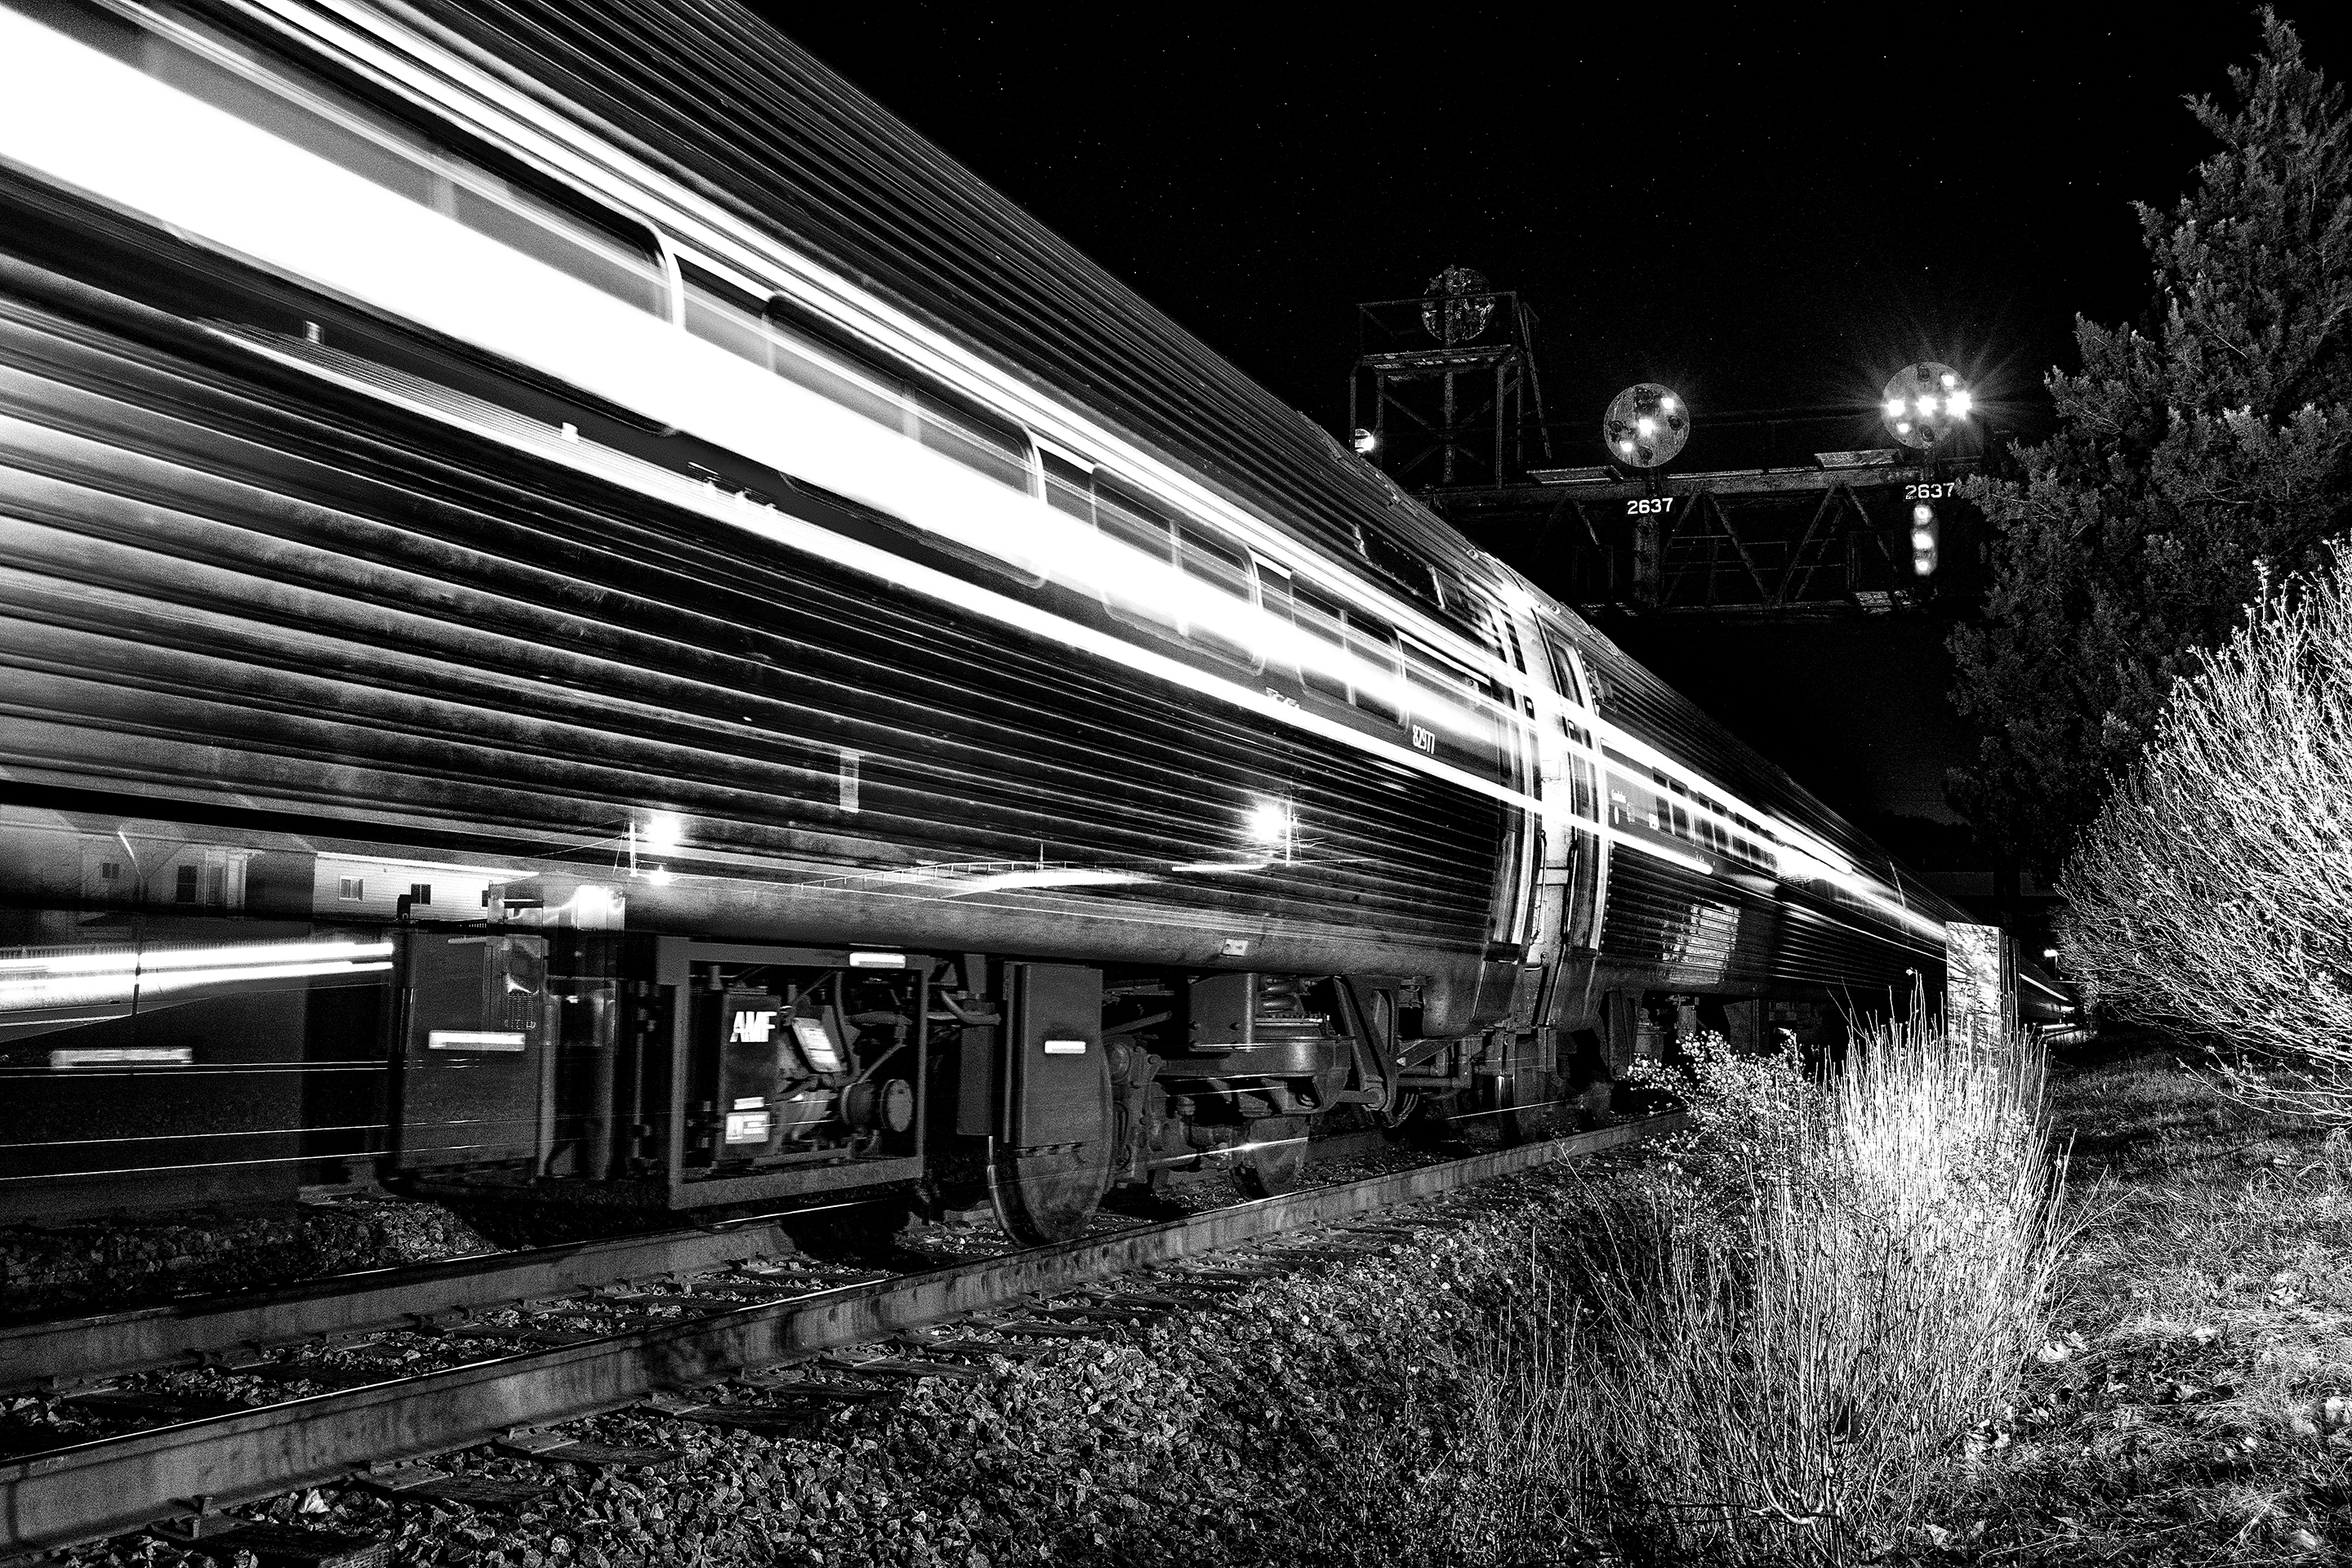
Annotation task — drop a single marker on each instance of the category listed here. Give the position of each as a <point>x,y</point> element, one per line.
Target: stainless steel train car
<point>586,616</point>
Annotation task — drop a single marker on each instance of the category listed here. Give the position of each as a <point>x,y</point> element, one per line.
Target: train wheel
<point>1274,1159</point>
<point>1532,1105</point>
<point>1045,1195</point>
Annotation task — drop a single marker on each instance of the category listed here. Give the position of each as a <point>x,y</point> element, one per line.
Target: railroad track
<point>374,1403</point>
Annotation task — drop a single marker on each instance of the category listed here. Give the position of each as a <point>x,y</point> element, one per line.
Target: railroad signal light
<point>1644,425</point>
<point>1365,443</point>
<point>1926,533</point>
<point>1924,403</point>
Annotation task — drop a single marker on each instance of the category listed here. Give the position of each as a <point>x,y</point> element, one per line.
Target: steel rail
<point>64,1350</point>
<point>102,1487</point>
<point>69,1350</point>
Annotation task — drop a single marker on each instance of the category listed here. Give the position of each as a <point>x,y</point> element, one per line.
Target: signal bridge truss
<point>1826,538</point>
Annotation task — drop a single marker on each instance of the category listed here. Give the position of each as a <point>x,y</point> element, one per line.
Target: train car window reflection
<point>1411,572</point>
<point>818,354</point>
<point>717,312</point>
<point>1274,597</point>
<point>1142,598</point>
<point>1321,619</point>
<point>1563,674</point>
<point>1375,643</point>
<point>1448,695</point>
<point>493,207</point>
<point>601,249</point>
<point>1069,489</point>
<point>1210,560</point>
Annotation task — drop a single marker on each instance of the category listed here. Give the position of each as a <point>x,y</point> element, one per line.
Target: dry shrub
<point>2215,890</point>
<point>1780,1350</point>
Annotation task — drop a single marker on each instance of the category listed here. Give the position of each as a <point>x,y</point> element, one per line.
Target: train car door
<point>475,1082</point>
<point>1572,877</point>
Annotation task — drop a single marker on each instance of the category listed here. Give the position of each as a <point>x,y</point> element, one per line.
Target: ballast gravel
<point>1314,1418</point>
<point>46,1270</point>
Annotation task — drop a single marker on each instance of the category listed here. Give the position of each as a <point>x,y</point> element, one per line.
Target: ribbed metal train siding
<point>720,96</point>
<point>1688,929</point>
<point>1646,706</point>
<point>222,588</point>
<point>713,92</point>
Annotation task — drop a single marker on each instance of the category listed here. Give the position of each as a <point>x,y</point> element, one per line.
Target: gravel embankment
<point>1313,1419</point>
<point>104,1264</point>
<point>54,1270</point>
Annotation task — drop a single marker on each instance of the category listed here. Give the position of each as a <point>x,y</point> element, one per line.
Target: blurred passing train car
<point>585,616</point>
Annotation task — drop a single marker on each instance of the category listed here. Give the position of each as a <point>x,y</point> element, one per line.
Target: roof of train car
<point>713,92</point>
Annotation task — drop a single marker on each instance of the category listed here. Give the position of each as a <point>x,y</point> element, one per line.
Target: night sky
<point>1758,211</point>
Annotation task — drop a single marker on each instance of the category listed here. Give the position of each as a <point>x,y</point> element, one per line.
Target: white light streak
<point>93,123</point>
<point>1072,877</point>
<point>128,961</point>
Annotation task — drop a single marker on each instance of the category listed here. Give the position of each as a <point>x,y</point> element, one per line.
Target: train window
<point>1519,658</point>
<point>1274,597</point>
<point>1375,643</point>
<point>1207,559</point>
<point>1436,684</point>
<point>1467,608</point>
<point>1563,672</point>
<point>775,338</point>
<point>602,249</point>
<point>1140,598</point>
<point>1359,639</point>
<point>1409,571</point>
<point>1321,619</point>
<point>243,92</point>
<point>1068,488</point>
<point>718,312</point>
<point>822,356</point>
<point>601,257</point>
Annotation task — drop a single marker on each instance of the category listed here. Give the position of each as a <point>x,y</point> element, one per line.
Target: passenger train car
<point>585,616</point>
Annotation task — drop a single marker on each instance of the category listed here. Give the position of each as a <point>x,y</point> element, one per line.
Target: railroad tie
<point>422,1482</point>
<point>548,1447</point>
<point>221,1536</point>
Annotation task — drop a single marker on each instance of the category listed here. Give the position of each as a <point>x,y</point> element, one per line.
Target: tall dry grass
<point>1777,1350</point>
<point>2214,889</point>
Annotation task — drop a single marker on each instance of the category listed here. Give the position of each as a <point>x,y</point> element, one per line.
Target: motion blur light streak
<point>128,959</point>
<point>218,175</point>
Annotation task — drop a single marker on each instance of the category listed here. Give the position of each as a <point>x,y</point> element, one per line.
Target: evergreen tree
<point>2190,459</point>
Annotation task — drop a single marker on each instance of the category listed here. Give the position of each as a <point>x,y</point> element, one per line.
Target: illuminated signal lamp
<point>1925,536</point>
<point>1646,425</point>
<point>1924,403</point>
<point>1365,443</point>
